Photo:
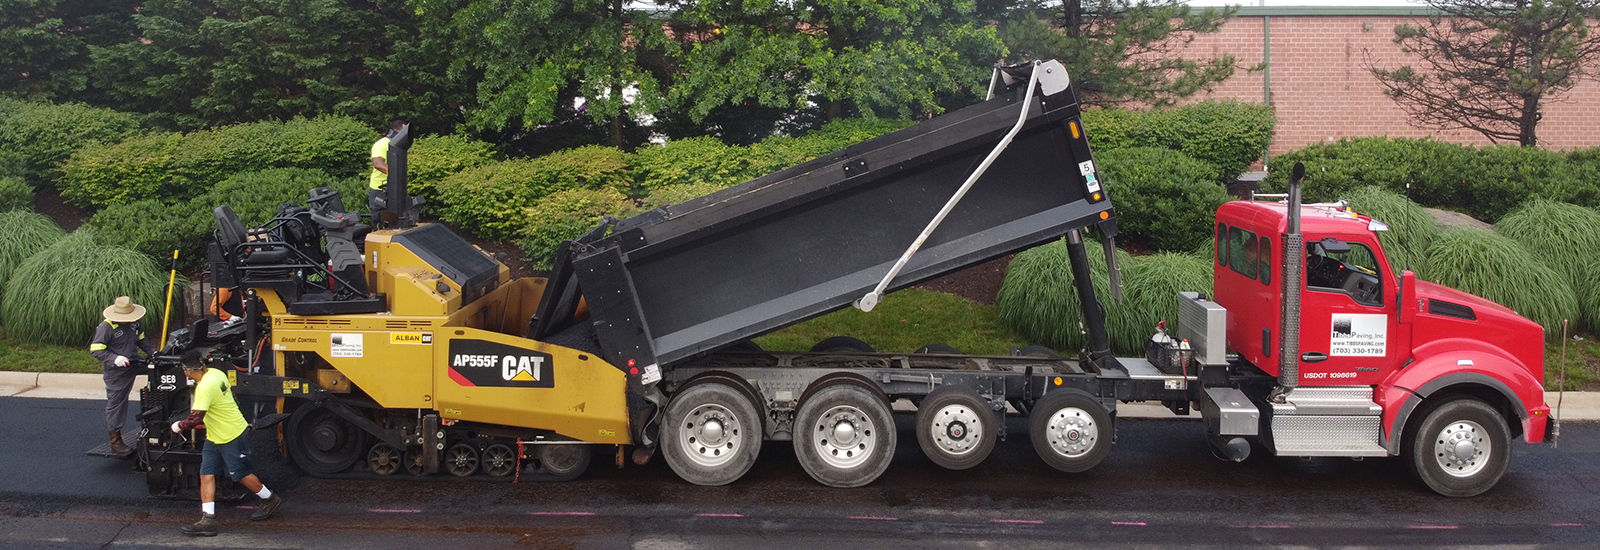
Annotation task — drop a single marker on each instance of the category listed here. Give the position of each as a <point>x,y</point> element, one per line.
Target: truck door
<point>1349,334</point>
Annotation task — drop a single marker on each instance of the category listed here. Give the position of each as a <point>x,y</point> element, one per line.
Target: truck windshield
<point>1353,272</point>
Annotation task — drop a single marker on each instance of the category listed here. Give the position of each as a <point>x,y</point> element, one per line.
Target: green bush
<point>1150,294</point>
<point>1502,177</point>
<point>567,215</point>
<point>174,167</point>
<point>22,234</point>
<point>1164,199</point>
<point>489,200</point>
<point>694,161</point>
<point>1038,300</point>
<point>776,153</point>
<point>434,158</point>
<point>41,135</point>
<point>1497,268</point>
<point>1228,135</point>
<point>15,194</point>
<point>1589,293</point>
<point>1564,237</point>
<point>56,296</point>
<point>157,229</point>
<point>674,194</point>
<point>1411,229</point>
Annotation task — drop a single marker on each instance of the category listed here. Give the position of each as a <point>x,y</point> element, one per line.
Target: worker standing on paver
<point>380,170</point>
<point>116,344</point>
<point>227,450</point>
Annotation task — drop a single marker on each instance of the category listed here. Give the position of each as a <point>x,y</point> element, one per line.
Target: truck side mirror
<point>1408,295</point>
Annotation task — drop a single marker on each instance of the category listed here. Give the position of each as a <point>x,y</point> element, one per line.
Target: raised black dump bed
<point>672,284</point>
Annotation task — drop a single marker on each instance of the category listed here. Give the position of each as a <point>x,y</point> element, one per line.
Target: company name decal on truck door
<point>1359,335</point>
<point>483,363</point>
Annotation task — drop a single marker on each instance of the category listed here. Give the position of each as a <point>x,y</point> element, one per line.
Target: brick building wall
<point>1321,89</point>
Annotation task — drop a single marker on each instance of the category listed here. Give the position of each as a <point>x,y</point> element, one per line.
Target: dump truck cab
<point>1413,346</point>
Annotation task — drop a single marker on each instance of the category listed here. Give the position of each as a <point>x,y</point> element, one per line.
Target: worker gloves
<point>176,428</point>
<point>120,361</point>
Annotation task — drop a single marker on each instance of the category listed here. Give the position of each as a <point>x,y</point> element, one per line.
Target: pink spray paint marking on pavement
<point>560,513</point>
<point>874,518</point>
<point>389,511</point>
<point>720,515</point>
<point>1021,521</point>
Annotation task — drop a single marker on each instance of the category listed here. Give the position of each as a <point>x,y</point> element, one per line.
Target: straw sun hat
<point>124,311</point>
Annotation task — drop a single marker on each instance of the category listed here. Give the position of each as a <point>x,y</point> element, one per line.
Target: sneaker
<point>206,527</point>
<point>267,508</point>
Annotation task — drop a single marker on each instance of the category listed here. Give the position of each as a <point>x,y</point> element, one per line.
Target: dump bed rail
<point>678,281</point>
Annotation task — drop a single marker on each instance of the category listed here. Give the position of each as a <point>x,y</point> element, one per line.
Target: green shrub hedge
<point>22,234</point>
<point>1038,301</point>
<point>1497,268</point>
<point>1150,287</point>
<point>1486,183</point>
<point>490,200</point>
<point>434,158</point>
<point>1163,199</point>
<point>15,194</point>
<point>156,229</point>
<point>1411,229</point>
<point>1563,236</point>
<point>56,296</point>
<point>1225,134</point>
<point>173,167</point>
<point>694,161</point>
<point>776,153</point>
<point>566,215</point>
<point>40,135</point>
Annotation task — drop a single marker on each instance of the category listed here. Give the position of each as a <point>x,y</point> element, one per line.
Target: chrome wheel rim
<point>1072,432</point>
<point>710,435</point>
<point>844,437</point>
<point>956,429</point>
<point>1462,448</point>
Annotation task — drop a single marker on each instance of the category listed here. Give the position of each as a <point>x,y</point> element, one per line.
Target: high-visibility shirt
<point>380,150</point>
<point>113,339</point>
<point>223,419</point>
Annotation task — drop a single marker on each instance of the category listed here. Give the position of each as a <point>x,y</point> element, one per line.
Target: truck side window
<point>1243,252</point>
<point>1266,260</point>
<point>1221,244</point>
<point>1353,272</point>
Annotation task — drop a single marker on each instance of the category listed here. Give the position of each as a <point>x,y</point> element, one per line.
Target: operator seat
<point>232,233</point>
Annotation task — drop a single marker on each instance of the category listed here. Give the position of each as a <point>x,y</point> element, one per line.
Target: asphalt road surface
<point>1159,487</point>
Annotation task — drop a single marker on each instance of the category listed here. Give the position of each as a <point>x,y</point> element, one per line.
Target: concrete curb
<point>1575,406</point>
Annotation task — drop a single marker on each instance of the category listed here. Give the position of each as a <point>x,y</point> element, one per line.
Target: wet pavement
<point>1160,486</point>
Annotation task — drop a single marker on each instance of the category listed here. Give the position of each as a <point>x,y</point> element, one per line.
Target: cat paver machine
<point>406,350</point>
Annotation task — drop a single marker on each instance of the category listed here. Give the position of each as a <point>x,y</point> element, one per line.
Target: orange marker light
<point>1074,127</point>
<point>1096,196</point>
<point>1105,215</point>
<point>1058,380</point>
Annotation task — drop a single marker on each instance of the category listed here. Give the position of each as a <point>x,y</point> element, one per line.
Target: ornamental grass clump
<point>1038,300</point>
<point>22,234</point>
<point>1411,229</point>
<point>1150,287</point>
<point>1563,236</point>
<point>1497,268</point>
<point>56,296</point>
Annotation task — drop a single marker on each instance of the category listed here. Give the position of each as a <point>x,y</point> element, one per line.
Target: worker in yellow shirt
<point>226,449</point>
<point>380,170</point>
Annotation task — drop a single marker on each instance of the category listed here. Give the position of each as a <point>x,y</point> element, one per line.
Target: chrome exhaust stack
<point>1294,251</point>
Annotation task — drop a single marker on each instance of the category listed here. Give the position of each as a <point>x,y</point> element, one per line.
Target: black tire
<point>844,436</point>
<point>322,443</point>
<point>412,459</point>
<point>1070,430</point>
<point>711,434</point>
<point>842,344</point>
<point>383,459</point>
<point>939,349</point>
<point>499,461</point>
<point>565,461</point>
<point>1460,448</point>
<point>1038,351</point>
<point>956,428</point>
<point>461,460</point>
<point>744,346</point>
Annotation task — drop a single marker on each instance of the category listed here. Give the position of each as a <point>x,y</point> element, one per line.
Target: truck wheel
<point>844,436</point>
<point>1461,448</point>
<point>842,344</point>
<point>564,461</point>
<point>711,434</point>
<point>461,460</point>
<point>383,459</point>
<point>1070,430</point>
<point>499,461</point>
<point>323,444</point>
<point>955,428</point>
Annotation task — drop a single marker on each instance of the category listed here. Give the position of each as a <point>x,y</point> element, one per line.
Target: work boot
<point>206,527</point>
<point>117,448</point>
<point>267,508</point>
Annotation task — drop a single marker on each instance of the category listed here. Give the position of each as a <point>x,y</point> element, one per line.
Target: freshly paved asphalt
<point>1159,487</point>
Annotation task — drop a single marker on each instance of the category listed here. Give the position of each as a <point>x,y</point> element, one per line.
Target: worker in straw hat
<point>116,344</point>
